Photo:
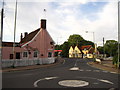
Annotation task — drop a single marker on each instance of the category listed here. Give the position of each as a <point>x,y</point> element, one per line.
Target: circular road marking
<point>73,83</point>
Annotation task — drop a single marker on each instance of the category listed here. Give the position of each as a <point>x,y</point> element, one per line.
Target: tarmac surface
<point>105,65</point>
<point>66,73</point>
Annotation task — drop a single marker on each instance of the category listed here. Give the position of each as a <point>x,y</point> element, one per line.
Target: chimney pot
<point>21,37</point>
<point>26,33</point>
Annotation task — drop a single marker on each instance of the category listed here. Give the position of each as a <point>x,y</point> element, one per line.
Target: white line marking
<point>74,68</point>
<point>35,83</point>
<point>96,71</point>
<point>106,81</point>
<point>113,72</point>
<point>95,83</point>
<point>88,70</point>
<point>75,64</point>
<point>105,71</point>
<point>64,62</point>
<point>47,78</point>
<point>81,70</point>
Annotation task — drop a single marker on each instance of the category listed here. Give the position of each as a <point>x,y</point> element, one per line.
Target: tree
<point>65,49</point>
<point>111,46</point>
<point>73,40</point>
<point>100,49</point>
<point>76,39</point>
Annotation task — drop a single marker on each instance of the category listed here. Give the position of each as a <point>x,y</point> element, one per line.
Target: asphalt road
<point>71,73</point>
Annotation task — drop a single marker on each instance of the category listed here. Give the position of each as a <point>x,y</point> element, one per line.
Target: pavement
<point>105,65</point>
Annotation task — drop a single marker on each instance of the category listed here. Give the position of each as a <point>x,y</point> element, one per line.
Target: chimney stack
<point>21,37</point>
<point>25,34</point>
<point>43,23</point>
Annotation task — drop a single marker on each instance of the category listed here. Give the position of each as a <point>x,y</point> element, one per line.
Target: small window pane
<point>49,54</point>
<point>35,54</point>
<point>25,54</point>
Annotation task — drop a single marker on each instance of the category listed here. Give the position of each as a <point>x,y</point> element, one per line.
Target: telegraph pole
<point>118,34</point>
<point>103,49</point>
<point>1,34</point>
<point>14,30</point>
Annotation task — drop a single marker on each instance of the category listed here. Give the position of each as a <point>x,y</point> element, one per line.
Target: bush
<point>115,60</point>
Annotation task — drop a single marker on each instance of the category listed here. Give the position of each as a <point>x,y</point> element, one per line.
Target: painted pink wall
<point>42,43</point>
<point>6,51</point>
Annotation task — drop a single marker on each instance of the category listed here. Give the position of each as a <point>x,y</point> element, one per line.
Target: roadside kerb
<point>103,67</point>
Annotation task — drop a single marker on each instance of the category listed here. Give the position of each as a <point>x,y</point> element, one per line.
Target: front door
<point>17,55</point>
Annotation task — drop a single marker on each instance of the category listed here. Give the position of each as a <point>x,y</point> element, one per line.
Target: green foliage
<point>115,59</point>
<point>100,49</point>
<point>73,40</point>
<point>76,39</point>
<point>65,49</point>
<point>111,47</point>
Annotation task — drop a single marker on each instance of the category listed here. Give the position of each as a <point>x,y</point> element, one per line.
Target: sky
<point>64,18</point>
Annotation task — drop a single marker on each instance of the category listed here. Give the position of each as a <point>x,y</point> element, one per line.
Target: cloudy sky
<point>64,18</point>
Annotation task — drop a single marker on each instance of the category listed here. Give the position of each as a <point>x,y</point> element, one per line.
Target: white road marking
<point>113,72</point>
<point>35,83</point>
<point>105,71</point>
<point>96,70</point>
<point>95,83</point>
<point>74,68</point>
<point>88,70</point>
<point>81,70</point>
<point>73,83</point>
<point>106,81</point>
<point>47,78</point>
<point>64,62</point>
<point>75,64</point>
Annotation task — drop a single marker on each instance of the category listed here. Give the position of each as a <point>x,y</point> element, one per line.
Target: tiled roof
<point>91,51</point>
<point>87,47</point>
<point>29,36</point>
<point>9,44</point>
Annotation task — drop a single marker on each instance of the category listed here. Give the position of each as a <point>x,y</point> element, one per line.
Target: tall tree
<point>65,49</point>
<point>111,46</point>
<point>76,39</point>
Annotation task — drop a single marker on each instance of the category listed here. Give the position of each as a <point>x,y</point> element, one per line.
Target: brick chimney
<point>43,23</point>
<point>25,34</point>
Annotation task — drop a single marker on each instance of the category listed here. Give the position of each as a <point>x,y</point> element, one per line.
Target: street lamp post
<point>93,35</point>
<point>93,39</point>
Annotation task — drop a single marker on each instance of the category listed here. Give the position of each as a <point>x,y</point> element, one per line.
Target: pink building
<point>37,44</point>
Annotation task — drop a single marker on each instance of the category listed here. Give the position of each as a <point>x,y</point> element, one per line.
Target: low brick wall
<point>19,62</point>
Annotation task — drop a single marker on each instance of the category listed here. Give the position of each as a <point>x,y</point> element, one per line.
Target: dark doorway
<point>17,55</point>
<point>11,56</point>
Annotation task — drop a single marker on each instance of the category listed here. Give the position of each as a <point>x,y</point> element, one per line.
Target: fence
<point>19,62</point>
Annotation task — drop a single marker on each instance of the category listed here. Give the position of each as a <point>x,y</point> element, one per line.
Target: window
<point>35,54</point>
<point>25,54</point>
<point>51,42</point>
<point>49,54</point>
